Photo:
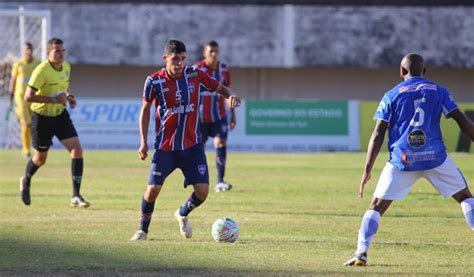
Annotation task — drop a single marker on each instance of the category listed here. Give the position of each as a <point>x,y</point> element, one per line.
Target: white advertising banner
<point>267,125</point>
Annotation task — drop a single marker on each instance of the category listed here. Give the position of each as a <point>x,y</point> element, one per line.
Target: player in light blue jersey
<point>411,112</point>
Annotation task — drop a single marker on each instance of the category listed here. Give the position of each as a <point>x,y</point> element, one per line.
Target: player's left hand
<point>232,122</point>
<point>234,101</point>
<point>365,178</point>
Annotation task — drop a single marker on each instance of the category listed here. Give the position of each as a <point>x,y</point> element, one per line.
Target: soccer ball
<point>225,230</point>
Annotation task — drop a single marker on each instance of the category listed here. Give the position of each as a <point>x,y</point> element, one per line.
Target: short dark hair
<point>174,46</point>
<point>54,41</point>
<point>211,43</point>
<point>29,45</point>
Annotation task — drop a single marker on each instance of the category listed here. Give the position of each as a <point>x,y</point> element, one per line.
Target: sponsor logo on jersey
<point>193,74</point>
<point>181,109</point>
<point>408,157</point>
<point>202,169</point>
<point>417,87</point>
<point>416,138</point>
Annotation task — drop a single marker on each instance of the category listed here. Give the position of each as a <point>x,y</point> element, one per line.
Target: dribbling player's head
<point>412,65</point>
<point>174,57</point>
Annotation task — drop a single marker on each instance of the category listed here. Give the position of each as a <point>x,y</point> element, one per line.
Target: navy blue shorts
<point>191,161</point>
<point>214,129</point>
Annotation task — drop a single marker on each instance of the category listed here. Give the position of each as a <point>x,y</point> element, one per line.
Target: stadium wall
<point>256,36</point>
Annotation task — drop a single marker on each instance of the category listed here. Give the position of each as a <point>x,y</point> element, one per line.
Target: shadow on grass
<point>50,258</point>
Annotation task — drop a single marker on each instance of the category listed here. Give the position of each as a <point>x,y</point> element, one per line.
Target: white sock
<point>368,228</point>
<point>468,209</point>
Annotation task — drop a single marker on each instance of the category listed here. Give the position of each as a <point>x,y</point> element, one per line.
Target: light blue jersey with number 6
<point>413,110</point>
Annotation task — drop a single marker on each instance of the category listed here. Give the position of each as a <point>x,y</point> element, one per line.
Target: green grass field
<point>298,214</point>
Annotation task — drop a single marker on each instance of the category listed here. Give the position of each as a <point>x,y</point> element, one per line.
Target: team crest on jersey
<point>416,138</point>
<point>202,169</point>
<point>190,88</point>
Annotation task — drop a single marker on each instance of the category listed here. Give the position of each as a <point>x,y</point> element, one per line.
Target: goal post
<point>18,26</point>
<point>21,26</point>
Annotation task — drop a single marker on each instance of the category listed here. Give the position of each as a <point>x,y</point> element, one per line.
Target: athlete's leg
<point>464,197</point>
<point>221,155</point>
<point>449,181</point>
<point>148,205</point>
<point>393,184</point>
<point>73,145</point>
<point>196,198</point>
<point>163,163</point>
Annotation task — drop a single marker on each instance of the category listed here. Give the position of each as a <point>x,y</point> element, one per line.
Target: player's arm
<point>71,99</point>
<point>464,123</point>
<point>233,100</point>
<point>12,84</point>
<point>375,143</point>
<point>144,123</point>
<point>233,120</point>
<point>30,96</point>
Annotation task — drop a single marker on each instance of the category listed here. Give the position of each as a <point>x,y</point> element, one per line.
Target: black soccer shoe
<point>25,191</point>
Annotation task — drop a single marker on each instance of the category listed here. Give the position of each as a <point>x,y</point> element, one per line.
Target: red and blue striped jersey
<point>212,104</point>
<point>177,102</point>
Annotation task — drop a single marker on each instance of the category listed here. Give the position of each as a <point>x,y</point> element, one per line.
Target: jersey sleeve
<point>207,81</point>
<point>38,79</point>
<point>448,103</point>
<point>383,111</point>
<point>148,90</point>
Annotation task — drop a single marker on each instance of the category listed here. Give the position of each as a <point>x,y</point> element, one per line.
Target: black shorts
<point>44,128</point>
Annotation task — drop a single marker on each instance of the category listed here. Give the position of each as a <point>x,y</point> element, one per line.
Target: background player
<point>21,73</point>
<point>48,89</point>
<point>411,111</point>
<point>213,110</point>
<point>176,90</point>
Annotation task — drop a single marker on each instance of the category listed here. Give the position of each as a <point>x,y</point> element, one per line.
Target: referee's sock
<point>77,166</point>
<point>31,169</point>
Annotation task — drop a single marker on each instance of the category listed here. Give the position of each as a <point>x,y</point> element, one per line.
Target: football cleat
<point>79,201</point>
<point>357,260</point>
<point>140,235</point>
<point>184,225</point>
<point>25,191</point>
<point>223,187</point>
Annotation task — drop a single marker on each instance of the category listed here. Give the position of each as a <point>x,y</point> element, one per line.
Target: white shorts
<point>394,184</point>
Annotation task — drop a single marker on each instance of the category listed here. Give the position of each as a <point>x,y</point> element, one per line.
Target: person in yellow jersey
<point>20,75</point>
<point>48,91</point>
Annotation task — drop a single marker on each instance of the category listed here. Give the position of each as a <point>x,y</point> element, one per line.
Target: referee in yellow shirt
<point>21,73</point>
<point>48,90</point>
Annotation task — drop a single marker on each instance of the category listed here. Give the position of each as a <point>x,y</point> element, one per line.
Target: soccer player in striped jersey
<point>175,90</point>
<point>213,110</point>
<point>21,73</point>
<point>411,112</point>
